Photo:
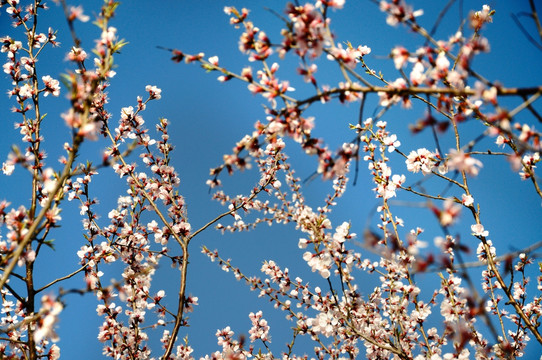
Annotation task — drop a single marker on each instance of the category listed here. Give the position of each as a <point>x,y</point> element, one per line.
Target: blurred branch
<point>525,32</point>
<point>532,110</point>
<point>525,104</point>
<point>536,18</point>
<point>439,19</point>
<point>500,258</point>
<point>380,252</point>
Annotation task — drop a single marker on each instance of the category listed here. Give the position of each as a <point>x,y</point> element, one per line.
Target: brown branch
<point>511,300</point>
<point>184,268</point>
<point>235,208</point>
<point>31,234</point>
<point>61,279</point>
<point>179,316</point>
<point>421,90</point>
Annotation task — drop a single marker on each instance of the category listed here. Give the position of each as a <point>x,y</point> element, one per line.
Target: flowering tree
<point>486,307</point>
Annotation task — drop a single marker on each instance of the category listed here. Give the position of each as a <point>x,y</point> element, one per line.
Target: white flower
<point>51,86</point>
<point>417,75</point>
<point>7,168</point>
<point>51,309</point>
<point>442,61</point>
<point>214,60</point>
<point>467,200</point>
<point>391,142</point>
<point>421,159</point>
<point>26,91</point>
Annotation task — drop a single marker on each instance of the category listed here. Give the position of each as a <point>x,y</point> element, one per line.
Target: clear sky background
<point>208,118</point>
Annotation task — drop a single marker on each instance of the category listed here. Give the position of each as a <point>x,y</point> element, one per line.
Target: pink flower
<point>49,181</point>
<point>54,352</point>
<point>528,163</point>
<point>260,329</point>
<point>482,254</point>
<point>77,54</point>
<point>490,95</point>
<point>400,56</point>
<point>319,262</point>
<point>309,30</point>
<point>337,4</point>
<point>386,188</point>
<point>308,73</point>
<point>478,18</point>
<point>347,57</point>
<point>478,230</point>
<point>154,92</point>
<point>398,11</point>
<point>8,67</point>
<point>363,50</point>
<point>109,36</point>
<point>501,141</point>
<point>71,118</point>
<point>247,73</point>
<point>76,12</point>
<point>460,161</point>
<point>388,99</point>
<point>324,323</point>
<point>449,214</point>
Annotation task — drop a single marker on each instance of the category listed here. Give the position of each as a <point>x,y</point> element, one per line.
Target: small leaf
<point>50,243</point>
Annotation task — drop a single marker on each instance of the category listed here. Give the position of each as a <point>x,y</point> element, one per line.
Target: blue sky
<point>208,117</point>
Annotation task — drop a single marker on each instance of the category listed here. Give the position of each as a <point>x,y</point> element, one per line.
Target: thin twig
<point>61,279</point>
<point>536,18</point>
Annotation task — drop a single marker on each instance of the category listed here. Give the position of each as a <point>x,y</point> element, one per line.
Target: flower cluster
<point>445,63</point>
<point>398,316</point>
